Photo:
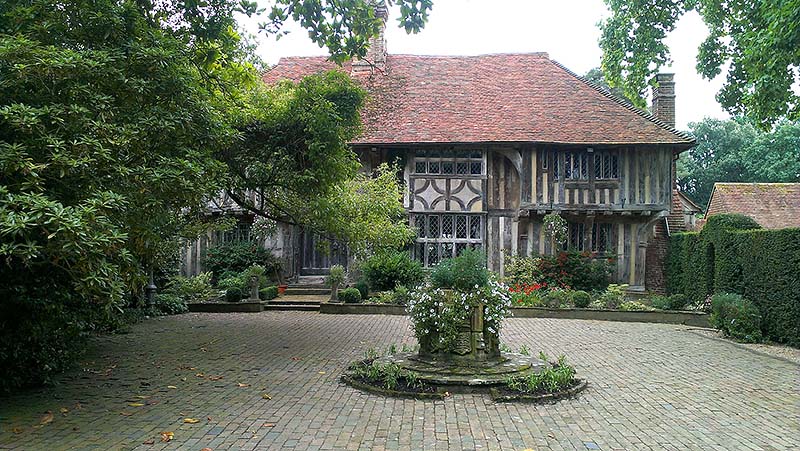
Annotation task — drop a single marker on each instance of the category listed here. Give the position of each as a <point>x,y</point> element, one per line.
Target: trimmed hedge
<point>761,265</point>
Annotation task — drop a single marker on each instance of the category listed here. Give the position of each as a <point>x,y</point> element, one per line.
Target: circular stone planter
<point>499,395</point>
<point>465,376</point>
<point>349,380</point>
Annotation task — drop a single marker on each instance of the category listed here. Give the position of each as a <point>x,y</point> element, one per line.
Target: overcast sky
<point>565,29</point>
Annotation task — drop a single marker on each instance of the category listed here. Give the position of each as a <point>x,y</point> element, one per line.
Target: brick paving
<point>652,387</point>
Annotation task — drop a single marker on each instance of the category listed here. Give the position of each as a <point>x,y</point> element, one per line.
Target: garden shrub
<point>673,302</point>
<point>761,265</point>
<point>169,304</point>
<point>633,306</point>
<point>233,294</point>
<point>232,281</point>
<point>569,270</point>
<point>612,297</point>
<point>237,257</point>
<point>527,295</point>
<point>557,299</point>
<point>736,317</point>
<point>268,293</point>
<point>363,287</point>
<point>581,299</point>
<point>464,273</point>
<point>350,296</point>
<point>191,289</point>
<point>387,269</point>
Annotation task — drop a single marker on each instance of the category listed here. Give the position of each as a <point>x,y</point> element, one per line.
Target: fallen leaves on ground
<point>47,418</point>
<point>149,442</point>
<point>125,414</point>
<point>17,430</point>
<point>268,425</point>
<point>135,404</point>
<point>141,396</point>
<point>167,436</point>
<point>206,449</point>
<point>296,358</point>
<point>200,375</point>
<point>241,385</point>
<point>321,372</point>
<point>215,378</point>
<point>63,410</point>
<point>172,387</point>
<point>266,396</point>
<point>191,420</point>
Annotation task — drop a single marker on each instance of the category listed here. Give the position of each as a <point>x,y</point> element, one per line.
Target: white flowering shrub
<point>438,315</point>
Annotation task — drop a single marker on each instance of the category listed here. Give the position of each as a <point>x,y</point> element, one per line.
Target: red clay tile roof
<point>772,205</point>
<point>488,98</point>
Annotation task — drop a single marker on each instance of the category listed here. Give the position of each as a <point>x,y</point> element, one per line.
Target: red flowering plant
<point>527,295</point>
<point>569,270</point>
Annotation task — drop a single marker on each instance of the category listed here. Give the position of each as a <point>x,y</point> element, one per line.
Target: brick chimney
<point>664,99</point>
<point>375,59</point>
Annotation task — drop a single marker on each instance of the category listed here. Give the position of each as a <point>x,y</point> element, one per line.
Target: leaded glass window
<point>446,235</point>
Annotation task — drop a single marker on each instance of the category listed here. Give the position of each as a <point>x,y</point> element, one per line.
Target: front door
<point>320,253</point>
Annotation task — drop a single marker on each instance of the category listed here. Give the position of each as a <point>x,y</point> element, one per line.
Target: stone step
<point>295,291</point>
<point>291,307</point>
<point>296,300</point>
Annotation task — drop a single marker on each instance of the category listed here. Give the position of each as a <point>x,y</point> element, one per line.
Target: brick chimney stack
<point>664,99</point>
<point>375,59</point>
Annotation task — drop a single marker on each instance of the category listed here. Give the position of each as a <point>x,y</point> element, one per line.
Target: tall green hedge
<point>765,268</point>
<point>733,255</point>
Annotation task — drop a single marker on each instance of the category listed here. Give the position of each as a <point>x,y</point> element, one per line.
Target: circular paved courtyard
<point>270,381</point>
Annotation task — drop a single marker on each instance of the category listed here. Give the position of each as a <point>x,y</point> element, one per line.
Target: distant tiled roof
<point>772,205</point>
<point>489,98</point>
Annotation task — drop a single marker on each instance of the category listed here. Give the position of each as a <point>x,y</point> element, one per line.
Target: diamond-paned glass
<point>433,167</point>
<point>447,226</point>
<point>433,226</point>
<point>420,167</point>
<point>475,227</point>
<point>461,226</point>
<point>462,167</point>
<point>476,168</point>
<point>447,167</point>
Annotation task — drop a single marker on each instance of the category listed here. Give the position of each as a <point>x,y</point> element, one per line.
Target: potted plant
<point>335,278</point>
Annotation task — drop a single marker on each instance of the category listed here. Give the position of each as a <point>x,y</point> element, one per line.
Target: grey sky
<point>566,29</point>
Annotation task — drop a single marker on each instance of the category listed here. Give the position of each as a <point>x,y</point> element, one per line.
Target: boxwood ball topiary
<point>233,294</point>
<point>350,296</point>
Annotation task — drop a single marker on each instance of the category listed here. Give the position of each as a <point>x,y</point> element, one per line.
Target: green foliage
<point>556,228</point>
<point>233,294</point>
<point>398,296</point>
<point>350,296</point>
<point>633,306</point>
<point>760,265</point>
<point>169,304</point>
<point>613,297</point>
<point>191,289</point>
<point>757,41</point>
<point>558,299</point>
<point>386,375</point>
<point>736,317</point>
<point>363,287</point>
<point>233,281</point>
<point>568,270</point>
<point>581,299</point>
<point>387,269</point>
<point>236,257</point>
<point>464,273</point>
<point>674,302</point>
<point>554,377</point>
<point>344,27</point>
<point>116,120</point>
<point>268,293</point>
<point>336,276</point>
<point>735,150</point>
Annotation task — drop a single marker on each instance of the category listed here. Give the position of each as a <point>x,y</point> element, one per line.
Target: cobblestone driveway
<point>652,387</point>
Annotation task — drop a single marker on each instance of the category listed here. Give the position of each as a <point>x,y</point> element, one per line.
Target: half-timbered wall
<point>620,178</point>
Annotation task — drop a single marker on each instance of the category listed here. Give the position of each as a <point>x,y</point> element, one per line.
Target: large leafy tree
<point>737,151</point>
<point>115,116</point>
<point>759,41</point>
